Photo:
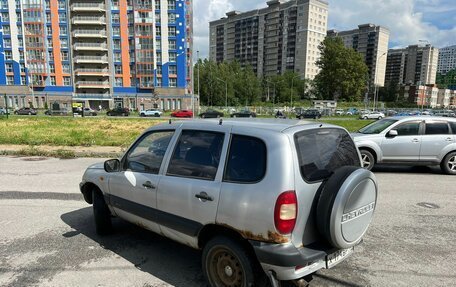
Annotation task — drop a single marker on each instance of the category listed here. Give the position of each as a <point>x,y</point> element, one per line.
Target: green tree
<point>343,73</point>
<point>446,81</point>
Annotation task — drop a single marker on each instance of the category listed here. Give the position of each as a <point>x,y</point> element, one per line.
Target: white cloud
<point>408,20</point>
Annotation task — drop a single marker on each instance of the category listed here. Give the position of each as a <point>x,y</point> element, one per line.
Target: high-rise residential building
<point>447,60</point>
<point>281,37</point>
<point>416,64</point>
<point>371,41</point>
<point>130,53</point>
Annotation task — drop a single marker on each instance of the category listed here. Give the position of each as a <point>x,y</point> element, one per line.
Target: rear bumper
<point>288,262</point>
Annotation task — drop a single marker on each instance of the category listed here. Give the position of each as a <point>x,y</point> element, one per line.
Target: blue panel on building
<point>57,89</point>
<point>16,73</point>
<point>2,60</point>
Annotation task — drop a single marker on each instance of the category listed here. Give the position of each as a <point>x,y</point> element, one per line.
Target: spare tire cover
<point>346,206</point>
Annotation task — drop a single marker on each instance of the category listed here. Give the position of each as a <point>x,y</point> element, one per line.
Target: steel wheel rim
<point>225,268</point>
<point>452,163</point>
<point>366,160</point>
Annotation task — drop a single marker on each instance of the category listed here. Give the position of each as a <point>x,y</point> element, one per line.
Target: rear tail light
<point>285,212</point>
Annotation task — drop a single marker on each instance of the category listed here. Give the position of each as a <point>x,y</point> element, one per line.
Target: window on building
<point>18,4</point>
<point>171,4</point>
<point>22,68</point>
<point>159,69</point>
<point>21,55</point>
<point>66,68</point>
<point>48,17</point>
<point>115,4</point>
<point>9,68</point>
<point>4,4</point>
<point>118,82</point>
<point>159,82</point>
<point>159,57</point>
<point>23,80</point>
<point>7,43</point>
<point>172,56</point>
<point>171,18</point>
<point>116,31</point>
<point>62,4</point>
<point>158,31</point>
<point>172,31</point>
<point>10,80</point>
<point>64,42</point>
<point>157,4</point>
<point>5,16</point>
<point>6,30</point>
<point>64,55</point>
<point>63,30</point>
<point>115,18</point>
<point>118,69</point>
<point>51,55</point>
<point>116,44</point>
<point>172,44</point>
<point>62,17</point>
<point>157,18</point>
<point>172,82</point>
<point>52,68</point>
<point>19,29</point>
<point>117,57</point>
<point>66,81</point>
<point>52,81</point>
<point>158,44</point>
<point>49,30</point>
<point>172,70</point>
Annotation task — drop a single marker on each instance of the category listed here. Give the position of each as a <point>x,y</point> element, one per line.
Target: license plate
<point>338,256</point>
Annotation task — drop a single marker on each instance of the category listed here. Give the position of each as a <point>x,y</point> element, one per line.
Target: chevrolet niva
<point>268,202</point>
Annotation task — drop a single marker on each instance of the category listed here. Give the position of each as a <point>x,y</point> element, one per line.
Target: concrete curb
<point>62,151</point>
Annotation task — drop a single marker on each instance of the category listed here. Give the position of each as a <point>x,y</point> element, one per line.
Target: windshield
<point>377,127</point>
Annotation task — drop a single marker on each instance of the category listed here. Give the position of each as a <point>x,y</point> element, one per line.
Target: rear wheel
<point>380,118</point>
<point>365,118</point>
<point>226,263</point>
<point>101,214</point>
<point>368,159</point>
<point>448,164</point>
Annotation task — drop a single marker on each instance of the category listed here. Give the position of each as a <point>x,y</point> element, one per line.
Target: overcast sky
<point>408,20</point>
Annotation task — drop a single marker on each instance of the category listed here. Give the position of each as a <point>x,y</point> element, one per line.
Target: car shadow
<point>171,262</point>
<point>407,169</point>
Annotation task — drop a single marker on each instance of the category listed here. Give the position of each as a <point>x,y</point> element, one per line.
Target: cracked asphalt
<point>47,235</point>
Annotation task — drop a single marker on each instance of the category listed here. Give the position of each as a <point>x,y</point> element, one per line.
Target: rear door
<point>189,191</point>
<point>437,136</point>
<point>404,147</point>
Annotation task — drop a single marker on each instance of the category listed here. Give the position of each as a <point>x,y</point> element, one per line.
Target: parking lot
<point>47,234</point>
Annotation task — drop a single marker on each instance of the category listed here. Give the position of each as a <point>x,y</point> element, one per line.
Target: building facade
<point>429,96</point>
<point>130,53</point>
<point>371,41</point>
<point>415,64</point>
<point>281,37</point>
<point>447,60</point>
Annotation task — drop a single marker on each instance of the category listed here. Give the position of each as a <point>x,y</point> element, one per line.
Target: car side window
<point>246,160</point>
<point>147,155</point>
<point>453,127</point>
<point>437,128</point>
<point>408,129</point>
<point>197,155</point>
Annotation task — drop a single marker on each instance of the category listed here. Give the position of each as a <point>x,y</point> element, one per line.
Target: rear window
<point>453,127</point>
<point>322,151</point>
<point>437,128</point>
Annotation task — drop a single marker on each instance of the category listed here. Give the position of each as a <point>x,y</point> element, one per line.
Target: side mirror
<point>392,134</point>
<point>112,165</point>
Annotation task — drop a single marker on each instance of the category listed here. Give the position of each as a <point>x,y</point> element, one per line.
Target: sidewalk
<point>62,151</point>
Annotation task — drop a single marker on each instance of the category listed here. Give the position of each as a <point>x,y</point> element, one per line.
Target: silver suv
<point>266,201</point>
<point>409,140</point>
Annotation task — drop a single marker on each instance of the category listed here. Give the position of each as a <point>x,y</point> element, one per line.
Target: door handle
<point>415,140</point>
<point>449,139</point>
<point>204,196</point>
<point>149,184</point>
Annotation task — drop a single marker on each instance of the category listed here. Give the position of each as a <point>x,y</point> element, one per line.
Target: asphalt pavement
<point>47,234</point>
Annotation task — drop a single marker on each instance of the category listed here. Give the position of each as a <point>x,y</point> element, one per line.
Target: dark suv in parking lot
<point>309,114</point>
<point>119,112</point>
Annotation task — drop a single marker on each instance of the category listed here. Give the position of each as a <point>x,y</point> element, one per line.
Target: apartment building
<point>447,60</point>
<point>282,37</point>
<point>429,96</point>
<point>416,64</point>
<point>130,53</point>
<point>371,41</point>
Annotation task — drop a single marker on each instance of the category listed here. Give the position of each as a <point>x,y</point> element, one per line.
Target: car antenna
<point>220,121</point>
<point>169,121</point>
<point>321,125</point>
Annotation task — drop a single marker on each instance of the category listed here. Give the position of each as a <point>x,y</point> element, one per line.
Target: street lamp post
<point>291,90</point>
<point>375,80</point>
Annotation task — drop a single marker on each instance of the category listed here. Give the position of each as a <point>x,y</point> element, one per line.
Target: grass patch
<point>67,131</point>
<point>352,125</point>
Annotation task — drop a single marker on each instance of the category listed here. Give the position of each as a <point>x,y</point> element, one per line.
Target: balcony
<point>89,20</point>
<point>92,84</point>
<point>89,34</point>
<point>91,59</point>
<point>90,46</point>
<point>92,72</point>
<point>89,7</point>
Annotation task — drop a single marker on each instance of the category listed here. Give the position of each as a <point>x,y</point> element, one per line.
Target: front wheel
<point>448,164</point>
<point>365,118</point>
<point>380,118</point>
<point>101,214</point>
<point>368,159</point>
<point>226,263</point>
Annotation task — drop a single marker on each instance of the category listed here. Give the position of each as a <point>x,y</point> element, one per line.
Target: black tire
<point>142,115</point>
<point>368,159</point>
<point>379,118</point>
<point>365,118</point>
<point>101,214</point>
<point>227,263</point>
<point>30,113</point>
<point>448,164</point>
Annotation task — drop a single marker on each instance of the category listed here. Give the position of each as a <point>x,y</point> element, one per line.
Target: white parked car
<point>150,113</point>
<point>372,115</point>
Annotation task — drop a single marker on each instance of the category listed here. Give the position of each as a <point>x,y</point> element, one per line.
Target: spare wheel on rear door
<point>346,206</point>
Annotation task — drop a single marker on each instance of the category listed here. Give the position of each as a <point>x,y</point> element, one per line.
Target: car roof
<point>421,118</point>
<point>278,125</point>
